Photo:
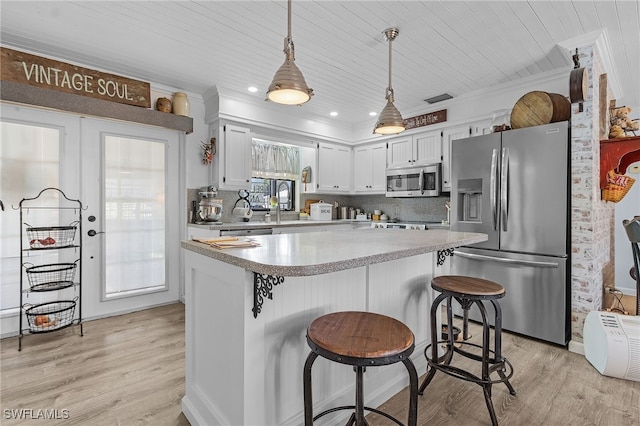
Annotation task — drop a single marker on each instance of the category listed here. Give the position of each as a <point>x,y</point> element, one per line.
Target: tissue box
<point>321,211</point>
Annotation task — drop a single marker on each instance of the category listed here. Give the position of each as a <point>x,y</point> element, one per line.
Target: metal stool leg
<point>413,392</point>
<point>359,410</point>
<point>486,355</point>
<point>498,345</point>
<point>306,380</point>
<point>434,342</point>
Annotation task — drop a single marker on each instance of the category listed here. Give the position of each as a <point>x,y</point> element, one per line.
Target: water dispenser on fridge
<point>469,203</point>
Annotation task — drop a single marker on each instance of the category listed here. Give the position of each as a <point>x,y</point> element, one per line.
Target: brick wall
<point>592,219</point>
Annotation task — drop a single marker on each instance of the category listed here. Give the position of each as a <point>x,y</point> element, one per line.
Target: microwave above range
<point>421,181</point>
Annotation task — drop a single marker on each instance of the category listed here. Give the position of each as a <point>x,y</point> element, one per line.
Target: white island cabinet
<point>247,310</point>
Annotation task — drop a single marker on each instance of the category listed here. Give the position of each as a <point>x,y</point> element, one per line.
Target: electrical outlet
<point>609,290</point>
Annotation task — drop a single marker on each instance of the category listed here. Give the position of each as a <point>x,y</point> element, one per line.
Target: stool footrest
<point>353,407</point>
<point>443,364</point>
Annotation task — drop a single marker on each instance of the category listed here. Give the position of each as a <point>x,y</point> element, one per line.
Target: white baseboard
<point>576,347</point>
<point>86,319</point>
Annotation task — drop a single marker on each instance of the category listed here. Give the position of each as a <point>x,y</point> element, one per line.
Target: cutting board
<point>307,205</point>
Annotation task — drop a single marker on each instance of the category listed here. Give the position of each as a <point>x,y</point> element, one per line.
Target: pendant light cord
<point>390,35</point>
<point>288,41</point>
<point>390,50</point>
<point>289,19</point>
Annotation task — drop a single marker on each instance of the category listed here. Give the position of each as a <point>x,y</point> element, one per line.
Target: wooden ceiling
<point>454,47</point>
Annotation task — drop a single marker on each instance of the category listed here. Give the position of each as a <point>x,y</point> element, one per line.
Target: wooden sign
<point>20,67</point>
<point>426,119</point>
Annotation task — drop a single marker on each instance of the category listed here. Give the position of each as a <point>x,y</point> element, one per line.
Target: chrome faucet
<point>278,196</point>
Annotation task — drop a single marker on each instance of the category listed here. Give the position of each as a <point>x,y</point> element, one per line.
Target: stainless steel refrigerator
<point>514,186</point>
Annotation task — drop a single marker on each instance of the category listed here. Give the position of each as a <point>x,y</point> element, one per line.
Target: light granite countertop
<point>295,223</point>
<point>283,223</point>
<point>316,253</point>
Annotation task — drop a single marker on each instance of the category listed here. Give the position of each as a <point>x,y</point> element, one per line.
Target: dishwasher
<point>245,232</point>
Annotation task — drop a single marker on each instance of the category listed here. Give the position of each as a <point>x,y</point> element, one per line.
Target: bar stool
<point>468,291</point>
<point>360,339</point>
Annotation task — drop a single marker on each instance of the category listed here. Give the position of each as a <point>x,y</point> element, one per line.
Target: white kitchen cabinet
<point>417,150</point>
<point>311,228</point>
<point>232,164</point>
<point>199,231</point>
<point>369,163</point>
<point>334,168</point>
<point>449,135</point>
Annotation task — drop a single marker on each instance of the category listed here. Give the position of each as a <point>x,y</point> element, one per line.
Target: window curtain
<point>275,161</point>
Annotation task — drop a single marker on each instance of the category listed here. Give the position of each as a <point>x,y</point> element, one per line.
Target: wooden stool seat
<point>360,335</point>
<point>360,339</point>
<point>467,286</point>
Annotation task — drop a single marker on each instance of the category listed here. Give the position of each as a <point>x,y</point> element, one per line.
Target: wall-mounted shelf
<point>31,95</point>
<point>617,154</point>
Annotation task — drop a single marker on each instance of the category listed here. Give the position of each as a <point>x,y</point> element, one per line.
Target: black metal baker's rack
<point>54,315</point>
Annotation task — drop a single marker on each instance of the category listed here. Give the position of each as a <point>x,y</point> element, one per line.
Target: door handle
<point>493,188</point>
<point>504,189</point>
<point>93,232</point>
<point>534,263</point>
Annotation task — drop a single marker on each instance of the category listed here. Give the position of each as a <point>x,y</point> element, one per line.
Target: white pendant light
<point>390,120</point>
<point>288,86</point>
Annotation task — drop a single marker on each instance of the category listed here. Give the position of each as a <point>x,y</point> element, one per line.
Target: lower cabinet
<point>311,228</point>
<point>199,232</point>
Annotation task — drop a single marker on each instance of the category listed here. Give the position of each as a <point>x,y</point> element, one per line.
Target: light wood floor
<point>129,370</point>
<point>125,370</point>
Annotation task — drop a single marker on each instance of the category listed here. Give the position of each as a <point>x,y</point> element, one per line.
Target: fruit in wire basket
<point>48,241</point>
<point>41,320</point>
<point>45,321</point>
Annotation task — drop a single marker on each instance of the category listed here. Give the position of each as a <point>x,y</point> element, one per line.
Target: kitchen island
<point>247,310</point>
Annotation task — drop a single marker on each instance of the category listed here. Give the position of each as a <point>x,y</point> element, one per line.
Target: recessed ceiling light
<point>252,89</point>
<point>333,113</point>
<point>373,113</point>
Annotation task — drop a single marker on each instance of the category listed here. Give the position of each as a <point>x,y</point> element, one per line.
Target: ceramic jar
<point>181,104</point>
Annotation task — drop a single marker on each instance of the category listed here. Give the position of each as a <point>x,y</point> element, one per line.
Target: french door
<point>127,177</point>
<point>129,182</point>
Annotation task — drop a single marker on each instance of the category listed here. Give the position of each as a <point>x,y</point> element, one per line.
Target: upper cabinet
<point>449,135</point>
<point>415,150</point>
<point>232,165</point>
<point>369,163</point>
<point>334,168</point>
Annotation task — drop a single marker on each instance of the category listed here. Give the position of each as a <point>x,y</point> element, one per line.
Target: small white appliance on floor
<point>612,344</point>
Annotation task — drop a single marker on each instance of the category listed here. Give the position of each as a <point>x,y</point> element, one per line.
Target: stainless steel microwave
<point>414,181</point>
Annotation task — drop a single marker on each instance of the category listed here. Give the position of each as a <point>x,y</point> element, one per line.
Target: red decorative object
<point>617,155</point>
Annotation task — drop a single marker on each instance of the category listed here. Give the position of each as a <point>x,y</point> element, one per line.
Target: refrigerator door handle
<point>504,189</point>
<point>533,263</point>
<point>494,188</point>
<point>421,181</point>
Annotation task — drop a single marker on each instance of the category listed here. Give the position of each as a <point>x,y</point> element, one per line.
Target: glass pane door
<point>38,149</point>
<point>134,225</point>
<point>130,184</point>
